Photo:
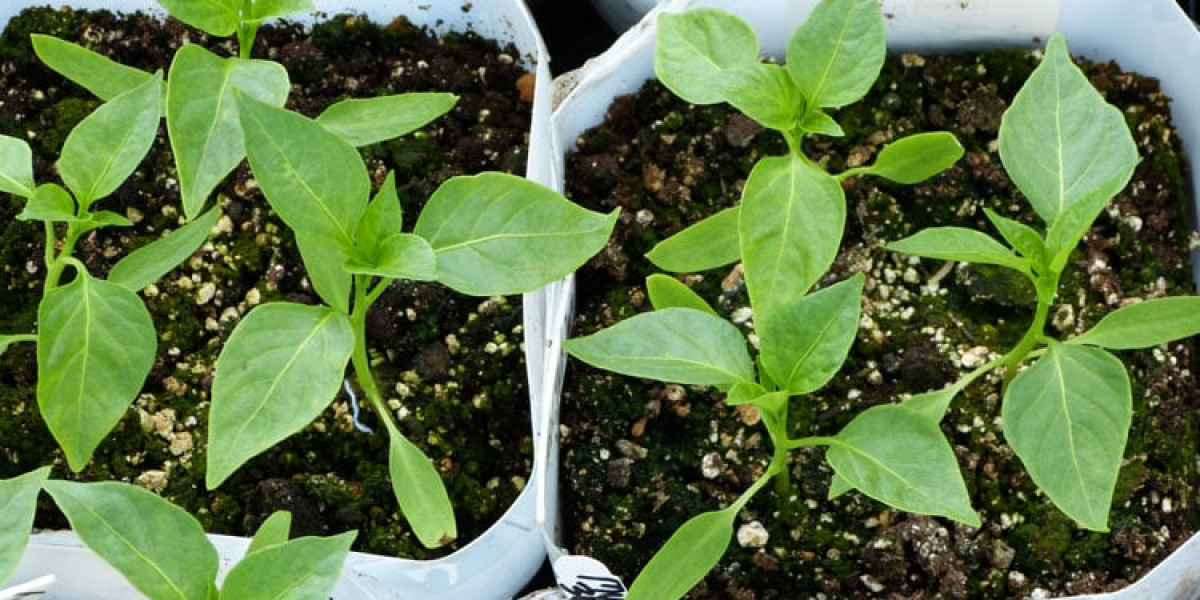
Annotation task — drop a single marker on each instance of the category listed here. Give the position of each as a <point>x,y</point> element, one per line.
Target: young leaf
<point>690,553</point>
<point>281,367</point>
<point>496,233</point>
<point>958,243</point>
<point>1067,417</point>
<point>918,157</point>
<point>202,118</point>
<point>219,18</point>
<point>16,167</point>
<point>398,256</point>
<point>677,345</point>
<point>1145,324</point>
<point>365,121</point>
<point>667,292</point>
<point>273,532</point>
<point>790,228</point>
<point>18,504</point>
<point>805,341</point>
<point>694,50</point>
<point>384,217</point>
<point>836,55</point>
<point>262,10</point>
<point>149,263</point>
<point>92,71</point>
<point>816,121</point>
<point>50,202</point>
<point>302,569</point>
<point>901,458</point>
<point>932,405</point>
<point>1061,143</point>
<point>708,244</point>
<point>421,493</point>
<point>765,93</point>
<point>1020,236</point>
<point>107,145</point>
<point>157,546</point>
<point>96,345</point>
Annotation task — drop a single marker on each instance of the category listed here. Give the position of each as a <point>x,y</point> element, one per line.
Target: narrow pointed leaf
<point>16,167</point>
<point>695,49</point>
<point>18,504</point>
<point>301,569</point>
<point>1145,324</point>
<point>364,121</point>
<point>765,93</point>
<point>399,256</point>
<point>92,71</point>
<point>1020,236</point>
<point>149,263</point>
<point>677,345</point>
<point>836,55</point>
<point>157,546</point>
<point>805,342</point>
<point>273,532</point>
<point>918,157</point>
<point>496,233</point>
<point>708,244</point>
<point>900,458</point>
<point>383,217</point>
<point>816,121</point>
<point>690,553</point>
<point>281,367</point>
<point>1067,417</point>
<point>668,292</point>
<point>218,18</point>
<point>96,345</point>
<point>421,493</point>
<point>959,243</point>
<point>50,202</point>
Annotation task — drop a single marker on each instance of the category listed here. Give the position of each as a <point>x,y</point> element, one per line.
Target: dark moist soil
<point>641,457</point>
<point>450,366</point>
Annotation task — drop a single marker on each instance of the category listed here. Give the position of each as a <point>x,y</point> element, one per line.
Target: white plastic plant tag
<point>585,578</point>
<point>29,589</point>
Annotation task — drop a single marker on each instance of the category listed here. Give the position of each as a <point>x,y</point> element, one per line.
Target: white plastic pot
<point>1153,37</point>
<point>499,563</point>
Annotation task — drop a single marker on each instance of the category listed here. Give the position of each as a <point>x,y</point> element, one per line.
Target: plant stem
<point>364,296</point>
<point>1047,289</point>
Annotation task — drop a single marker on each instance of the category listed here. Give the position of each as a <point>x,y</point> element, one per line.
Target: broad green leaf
<point>18,504</point>
<point>1067,417</point>
<point>219,18</point>
<point>838,486</point>
<point>1070,226</point>
<point>677,345</point>
<point>16,167</point>
<point>93,71</point>
<point>421,493</point>
<point>690,553</point>
<point>273,532</point>
<point>765,93</point>
<point>959,243</point>
<point>269,9</point>
<point>805,341</point>
<point>790,228</point>
<point>202,115</point>
<point>932,405</point>
<point>149,263</point>
<point>694,50</point>
<point>301,569</point>
<point>668,292</point>
<point>1145,324</point>
<point>383,218</point>
<point>96,344</point>
<point>1020,236</point>
<point>836,55</point>
<point>900,458</point>
<point>816,121</point>
<point>157,546</point>
<point>1061,143</point>
<point>281,367</point>
<point>50,202</point>
<point>107,145</point>
<point>918,157</point>
<point>364,121</point>
<point>744,392</point>
<point>399,256</point>
<point>708,244</point>
<point>496,233</point>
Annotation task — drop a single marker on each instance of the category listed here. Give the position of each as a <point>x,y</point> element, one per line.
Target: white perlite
<point>752,535</point>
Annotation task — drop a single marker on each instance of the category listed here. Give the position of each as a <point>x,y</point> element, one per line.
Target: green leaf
<point>694,50</point>
<point>1061,143</point>
<point>836,55</point>
<point>677,345</point>
<point>1020,236</point>
<point>18,504</point>
<point>708,244</point>
<point>1145,324</point>
<point>690,553</point>
<point>1067,417</point>
<point>765,93</point>
<point>384,217</point>
<point>399,256</point>
<point>932,405</point>
<point>50,202</point>
<point>149,263</point>
<point>262,10</point>
<point>202,115</point>
<point>421,493</point>
<point>959,243</point>
<point>96,345</point>
<point>281,367</point>
<point>219,18</point>
<point>816,121</point>
<point>107,145</point>
<point>302,569</point>
<point>92,71</point>
<point>273,532</point>
<point>16,167</point>
<point>838,486</point>
<point>805,341</point>
<point>496,233</point>
<point>790,229</point>
<point>364,121</point>
<point>918,157</point>
<point>744,392</point>
<point>157,546</point>
<point>901,458</point>
<point>668,292</point>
